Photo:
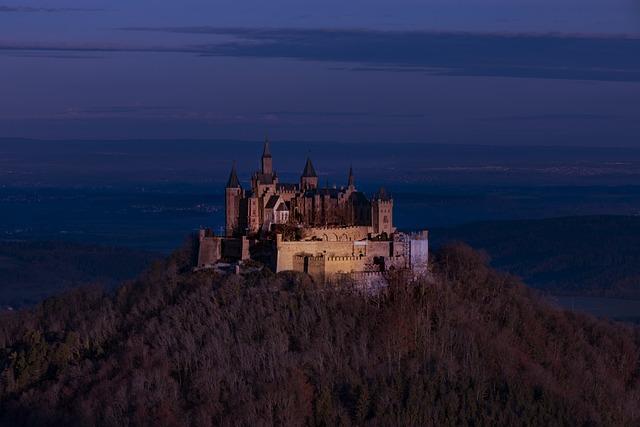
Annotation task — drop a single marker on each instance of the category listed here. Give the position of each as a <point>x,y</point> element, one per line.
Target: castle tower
<point>309,178</point>
<point>267,160</point>
<point>382,213</point>
<point>232,198</point>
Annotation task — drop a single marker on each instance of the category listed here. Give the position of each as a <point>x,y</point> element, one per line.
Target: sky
<point>503,72</point>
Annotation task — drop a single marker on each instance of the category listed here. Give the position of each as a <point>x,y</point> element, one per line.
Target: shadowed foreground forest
<point>471,347</point>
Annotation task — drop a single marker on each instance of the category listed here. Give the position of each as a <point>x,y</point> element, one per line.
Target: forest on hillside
<point>470,346</point>
<point>582,255</point>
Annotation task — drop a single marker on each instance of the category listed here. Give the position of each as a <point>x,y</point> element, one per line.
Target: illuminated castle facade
<point>328,233</point>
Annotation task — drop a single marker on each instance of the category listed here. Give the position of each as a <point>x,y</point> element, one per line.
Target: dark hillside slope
<point>590,255</point>
<point>178,348</point>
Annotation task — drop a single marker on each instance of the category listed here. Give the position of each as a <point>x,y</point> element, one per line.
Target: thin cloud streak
<point>30,9</point>
<point>541,56</point>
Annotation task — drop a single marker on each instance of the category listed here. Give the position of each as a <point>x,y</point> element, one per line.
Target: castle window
<point>385,220</point>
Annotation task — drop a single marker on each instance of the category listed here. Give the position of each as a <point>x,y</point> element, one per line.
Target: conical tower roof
<point>352,181</point>
<point>267,151</point>
<point>233,181</point>
<point>309,171</point>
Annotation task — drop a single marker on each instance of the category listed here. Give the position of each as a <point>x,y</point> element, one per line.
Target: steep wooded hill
<point>475,347</point>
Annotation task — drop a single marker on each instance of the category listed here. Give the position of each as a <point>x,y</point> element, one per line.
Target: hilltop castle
<point>325,232</point>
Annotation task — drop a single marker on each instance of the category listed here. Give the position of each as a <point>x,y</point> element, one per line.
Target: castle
<point>326,232</point>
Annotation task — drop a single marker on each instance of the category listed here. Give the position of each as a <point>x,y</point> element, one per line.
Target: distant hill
<point>31,271</point>
<point>173,348</point>
<point>591,255</point>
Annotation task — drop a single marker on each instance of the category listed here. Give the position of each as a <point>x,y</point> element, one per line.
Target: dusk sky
<point>516,72</point>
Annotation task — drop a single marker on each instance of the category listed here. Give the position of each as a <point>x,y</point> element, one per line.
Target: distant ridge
<point>579,255</point>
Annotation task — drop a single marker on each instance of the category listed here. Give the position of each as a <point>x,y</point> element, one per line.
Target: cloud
<point>86,47</point>
<point>54,55</point>
<point>543,56</point>
<point>29,9</point>
<point>553,56</point>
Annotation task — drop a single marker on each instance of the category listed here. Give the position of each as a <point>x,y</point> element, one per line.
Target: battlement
<point>337,227</point>
<point>419,235</point>
<point>310,257</point>
<point>342,258</point>
<point>337,233</point>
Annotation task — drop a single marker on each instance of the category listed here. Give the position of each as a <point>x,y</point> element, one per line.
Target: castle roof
<point>271,203</point>
<point>233,181</point>
<point>358,197</point>
<point>266,152</point>
<point>351,182</point>
<point>309,171</point>
<point>282,208</point>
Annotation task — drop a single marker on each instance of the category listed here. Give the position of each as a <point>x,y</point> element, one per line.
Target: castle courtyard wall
<point>337,234</point>
<point>379,248</point>
<point>344,264</point>
<point>286,251</point>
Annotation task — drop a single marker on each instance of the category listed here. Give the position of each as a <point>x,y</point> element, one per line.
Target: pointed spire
<point>233,181</point>
<point>309,171</point>
<point>266,152</point>
<point>352,181</point>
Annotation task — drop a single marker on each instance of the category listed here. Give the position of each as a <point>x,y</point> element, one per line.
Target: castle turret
<point>267,160</point>
<point>233,196</point>
<point>382,213</point>
<point>309,178</point>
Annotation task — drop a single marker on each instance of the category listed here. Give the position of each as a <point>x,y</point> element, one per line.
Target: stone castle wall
<point>323,259</point>
<point>344,264</point>
<point>419,252</point>
<point>379,248</point>
<point>337,234</point>
<point>210,251</point>
<point>286,251</point>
